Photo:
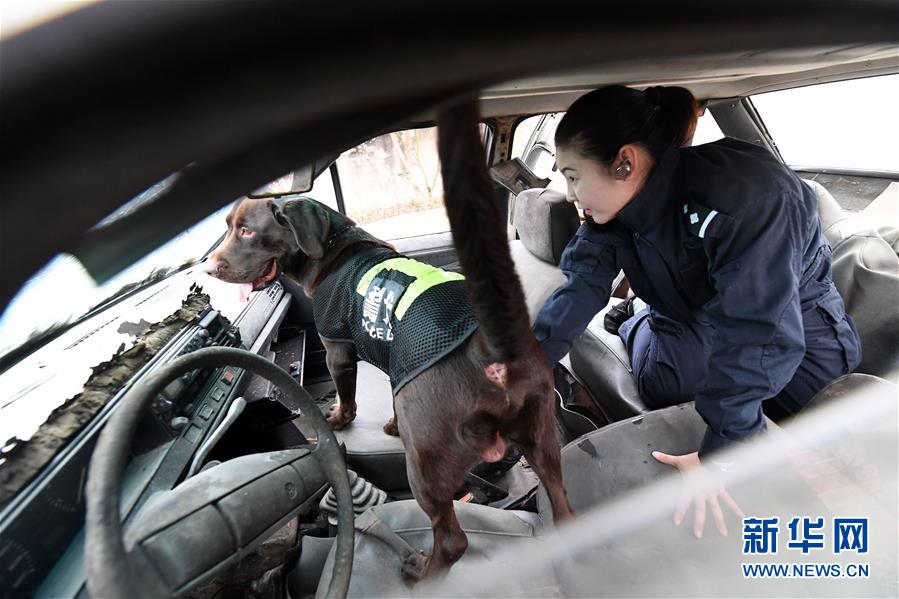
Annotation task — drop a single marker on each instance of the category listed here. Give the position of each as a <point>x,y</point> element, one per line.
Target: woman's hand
<point>700,488</point>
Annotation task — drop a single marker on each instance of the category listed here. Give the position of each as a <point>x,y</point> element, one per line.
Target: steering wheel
<point>190,535</point>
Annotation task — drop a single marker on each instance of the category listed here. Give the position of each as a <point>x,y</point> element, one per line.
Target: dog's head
<point>267,237</point>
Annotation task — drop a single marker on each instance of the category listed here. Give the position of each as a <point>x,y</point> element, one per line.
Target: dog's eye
<point>244,232</point>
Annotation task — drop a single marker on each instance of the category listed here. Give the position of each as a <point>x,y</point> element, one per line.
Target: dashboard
<point>42,526</point>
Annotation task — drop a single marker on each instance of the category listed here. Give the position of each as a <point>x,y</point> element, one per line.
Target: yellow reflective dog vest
<point>402,315</point>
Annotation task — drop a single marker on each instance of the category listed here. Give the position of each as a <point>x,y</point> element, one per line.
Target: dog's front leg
<point>391,427</point>
<point>341,362</point>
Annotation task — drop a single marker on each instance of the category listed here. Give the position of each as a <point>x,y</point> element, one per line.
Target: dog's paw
<point>415,566</point>
<point>339,418</point>
<point>391,428</point>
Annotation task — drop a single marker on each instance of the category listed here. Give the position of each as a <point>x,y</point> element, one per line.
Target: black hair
<point>598,124</point>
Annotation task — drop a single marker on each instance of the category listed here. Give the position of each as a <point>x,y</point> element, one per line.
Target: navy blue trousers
<point>670,359</point>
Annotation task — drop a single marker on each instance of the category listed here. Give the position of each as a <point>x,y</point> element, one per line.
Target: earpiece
<point>624,170</point>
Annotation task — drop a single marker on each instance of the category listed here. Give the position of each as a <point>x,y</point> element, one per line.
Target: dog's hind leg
<point>536,435</point>
<point>434,494</point>
<point>436,463</point>
<point>341,362</point>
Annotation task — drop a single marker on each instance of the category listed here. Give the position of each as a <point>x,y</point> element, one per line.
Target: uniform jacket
<point>723,233</point>
<point>402,315</point>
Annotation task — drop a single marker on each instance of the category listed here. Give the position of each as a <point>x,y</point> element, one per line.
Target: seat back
<point>545,223</point>
<point>601,360</point>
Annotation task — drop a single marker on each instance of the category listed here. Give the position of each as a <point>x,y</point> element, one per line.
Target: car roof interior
<point>725,75</point>
<point>167,87</point>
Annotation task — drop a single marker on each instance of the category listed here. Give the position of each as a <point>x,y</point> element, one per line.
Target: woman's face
<point>595,187</point>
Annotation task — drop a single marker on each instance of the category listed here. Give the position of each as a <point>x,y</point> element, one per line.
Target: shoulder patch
<point>697,217</point>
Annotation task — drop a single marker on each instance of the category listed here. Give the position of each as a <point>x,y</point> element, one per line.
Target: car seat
<point>865,248</point>
<point>545,223</point>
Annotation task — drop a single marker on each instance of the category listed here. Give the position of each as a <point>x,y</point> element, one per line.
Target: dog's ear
<point>309,223</point>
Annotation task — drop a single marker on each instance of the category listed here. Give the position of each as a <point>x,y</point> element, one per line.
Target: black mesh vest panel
<point>402,315</point>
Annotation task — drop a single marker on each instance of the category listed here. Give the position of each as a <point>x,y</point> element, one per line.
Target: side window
<point>533,142</point>
<point>707,130</point>
<point>323,190</point>
<point>848,124</point>
<point>392,186</point>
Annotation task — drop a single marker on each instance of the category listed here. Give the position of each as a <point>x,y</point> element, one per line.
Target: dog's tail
<point>479,235</point>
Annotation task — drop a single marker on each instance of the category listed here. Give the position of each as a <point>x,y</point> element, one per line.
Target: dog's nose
<point>209,265</point>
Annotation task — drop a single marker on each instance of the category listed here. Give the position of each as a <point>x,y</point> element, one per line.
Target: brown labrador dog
<point>495,386</point>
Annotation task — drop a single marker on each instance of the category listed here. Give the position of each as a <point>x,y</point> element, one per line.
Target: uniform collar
<point>650,204</point>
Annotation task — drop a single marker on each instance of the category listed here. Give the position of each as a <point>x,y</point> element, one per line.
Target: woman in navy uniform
<point>724,244</point>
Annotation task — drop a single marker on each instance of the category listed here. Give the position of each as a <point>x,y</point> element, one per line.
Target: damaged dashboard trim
<point>25,459</point>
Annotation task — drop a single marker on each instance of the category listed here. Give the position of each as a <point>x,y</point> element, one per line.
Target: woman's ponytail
<point>601,122</point>
<point>677,112</point>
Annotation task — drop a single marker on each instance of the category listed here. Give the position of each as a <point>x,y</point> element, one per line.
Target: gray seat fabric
<point>539,279</point>
<point>866,272</point>
<point>545,223</point>
<point>377,568</point>
<point>614,460</point>
<point>601,360</point>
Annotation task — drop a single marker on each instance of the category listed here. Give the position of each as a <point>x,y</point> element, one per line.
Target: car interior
<point>194,460</point>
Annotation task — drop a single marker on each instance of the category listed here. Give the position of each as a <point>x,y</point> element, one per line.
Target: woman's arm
<point>589,265</point>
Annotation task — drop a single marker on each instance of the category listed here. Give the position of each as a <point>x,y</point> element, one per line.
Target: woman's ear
<point>623,165</point>
<point>308,222</point>
<point>632,163</point>
<point>623,170</point>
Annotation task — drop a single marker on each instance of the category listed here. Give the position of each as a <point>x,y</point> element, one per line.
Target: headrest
<point>829,211</point>
<point>545,222</point>
<point>878,218</point>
